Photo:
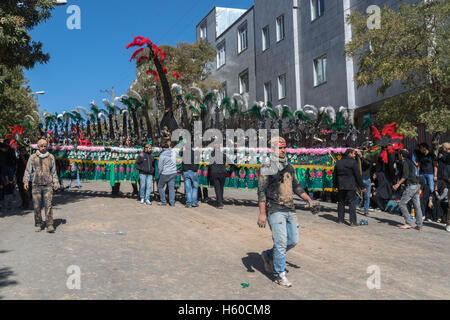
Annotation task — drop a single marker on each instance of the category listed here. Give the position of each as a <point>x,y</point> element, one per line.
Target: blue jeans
<point>78,181</point>
<point>368,186</point>
<point>146,181</point>
<point>191,187</point>
<point>429,180</point>
<point>285,236</point>
<point>168,179</point>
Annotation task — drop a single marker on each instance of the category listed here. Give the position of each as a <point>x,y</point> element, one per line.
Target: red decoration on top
<point>176,75</point>
<point>157,53</point>
<point>389,138</point>
<point>136,53</point>
<point>139,41</point>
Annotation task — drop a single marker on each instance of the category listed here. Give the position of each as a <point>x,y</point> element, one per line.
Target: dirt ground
<point>206,253</point>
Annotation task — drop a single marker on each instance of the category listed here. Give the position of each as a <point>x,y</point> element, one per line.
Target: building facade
<point>290,52</point>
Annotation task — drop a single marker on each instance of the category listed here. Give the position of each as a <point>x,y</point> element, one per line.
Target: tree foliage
<point>16,100</point>
<point>411,48</point>
<point>191,61</point>
<point>16,19</point>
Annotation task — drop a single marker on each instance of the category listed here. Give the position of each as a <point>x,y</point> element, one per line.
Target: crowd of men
<point>414,184</point>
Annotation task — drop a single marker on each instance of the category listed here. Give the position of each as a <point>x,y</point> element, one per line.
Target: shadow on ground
<point>5,274</point>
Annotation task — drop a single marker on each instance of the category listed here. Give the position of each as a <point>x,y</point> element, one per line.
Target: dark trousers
<point>25,196</point>
<point>202,194</point>
<point>347,197</point>
<point>115,188</point>
<point>219,184</point>
<point>380,202</point>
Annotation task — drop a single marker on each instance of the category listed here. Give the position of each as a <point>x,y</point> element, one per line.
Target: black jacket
<point>190,166</point>
<point>444,167</point>
<point>217,169</point>
<point>346,174</point>
<point>145,163</point>
<point>383,187</point>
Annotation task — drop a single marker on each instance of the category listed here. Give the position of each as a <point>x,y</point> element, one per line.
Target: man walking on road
<point>276,204</point>
<point>41,171</point>
<point>347,178</point>
<point>146,168</point>
<point>412,191</point>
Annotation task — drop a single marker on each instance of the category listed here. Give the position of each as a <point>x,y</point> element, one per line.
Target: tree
<point>188,65</point>
<point>411,48</point>
<point>16,101</point>
<point>16,46</point>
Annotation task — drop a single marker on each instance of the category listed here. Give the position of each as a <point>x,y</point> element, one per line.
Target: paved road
<point>205,253</point>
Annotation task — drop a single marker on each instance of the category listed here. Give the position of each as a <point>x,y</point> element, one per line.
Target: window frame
<point>315,68</point>
<point>282,96</point>
<point>241,75</point>
<point>221,44</point>
<point>205,27</point>
<point>269,97</point>
<point>317,9</point>
<point>278,28</point>
<point>267,27</point>
<point>239,46</point>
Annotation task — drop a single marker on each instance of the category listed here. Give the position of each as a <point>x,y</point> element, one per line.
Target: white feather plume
<point>331,113</point>
<point>102,115</point>
<point>344,112</point>
<point>198,91</point>
<point>177,88</point>
<point>310,111</point>
<point>30,117</point>
<point>136,94</point>
<point>84,110</point>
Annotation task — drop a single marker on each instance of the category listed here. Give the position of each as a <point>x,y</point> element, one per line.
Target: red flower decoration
<point>319,174</point>
<point>139,41</point>
<point>176,75</point>
<point>329,172</point>
<point>199,172</point>
<point>136,53</point>
<point>165,69</point>
<point>313,175</point>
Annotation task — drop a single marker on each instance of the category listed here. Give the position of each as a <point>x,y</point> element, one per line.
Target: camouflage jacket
<point>41,170</point>
<point>277,190</point>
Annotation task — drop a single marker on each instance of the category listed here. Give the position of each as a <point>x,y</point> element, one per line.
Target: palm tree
<point>95,111</point>
<point>111,108</point>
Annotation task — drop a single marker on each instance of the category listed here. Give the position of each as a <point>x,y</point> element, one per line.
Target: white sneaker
<point>283,281</point>
<point>142,201</point>
<point>447,228</point>
<point>148,202</point>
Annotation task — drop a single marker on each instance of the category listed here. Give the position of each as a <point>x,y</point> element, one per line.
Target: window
<point>267,92</point>
<point>317,9</point>
<point>203,31</point>
<point>265,38</point>
<point>242,38</point>
<point>280,28</point>
<point>282,87</point>
<point>320,70</point>
<point>221,55</point>
<point>243,82</point>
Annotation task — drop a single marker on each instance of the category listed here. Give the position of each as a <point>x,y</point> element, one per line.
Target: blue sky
<point>83,62</point>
